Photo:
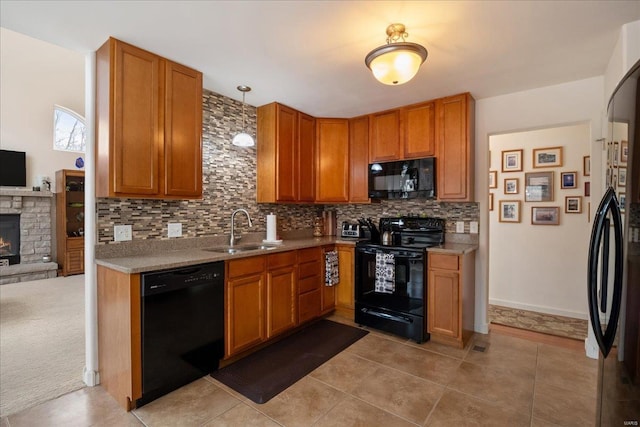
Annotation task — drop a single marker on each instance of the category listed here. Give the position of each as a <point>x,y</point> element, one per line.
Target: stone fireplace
<point>31,212</point>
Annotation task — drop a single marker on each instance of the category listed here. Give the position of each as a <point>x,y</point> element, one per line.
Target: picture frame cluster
<point>539,185</point>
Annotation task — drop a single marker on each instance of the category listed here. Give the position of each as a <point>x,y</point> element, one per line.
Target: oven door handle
<point>395,253</point>
<point>395,317</point>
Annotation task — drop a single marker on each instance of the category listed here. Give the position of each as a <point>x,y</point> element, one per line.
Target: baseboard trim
<point>539,309</point>
<point>91,378</point>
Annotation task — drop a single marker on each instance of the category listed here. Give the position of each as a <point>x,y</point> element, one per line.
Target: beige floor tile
<point>504,353</point>
<point>566,369</point>
<point>344,371</point>
<point>537,422</point>
<point>425,364</point>
<point>556,405</point>
<point>302,404</point>
<point>445,349</point>
<point>191,405</point>
<point>242,415</point>
<point>405,395</point>
<point>504,388</point>
<point>353,412</point>
<point>228,389</point>
<point>458,409</point>
<point>615,413</point>
<point>87,406</point>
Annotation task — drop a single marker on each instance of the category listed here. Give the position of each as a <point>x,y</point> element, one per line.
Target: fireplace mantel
<point>12,192</point>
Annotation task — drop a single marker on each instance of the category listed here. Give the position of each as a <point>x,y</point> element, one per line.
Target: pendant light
<point>243,139</point>
<point>398,61</point>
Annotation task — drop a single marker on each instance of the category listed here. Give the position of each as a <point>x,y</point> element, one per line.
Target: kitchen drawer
<point>443,261</point>
<point>282,259</point>
<point>309,254</point>
<point>246,266</point>
<point>309,306</point>
<point>309,269</point>
<point>75,243</point>
<point>309,284</point>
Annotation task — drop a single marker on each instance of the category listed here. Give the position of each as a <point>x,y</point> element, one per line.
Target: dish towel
<point>332,272</point>
<point>385,273</point>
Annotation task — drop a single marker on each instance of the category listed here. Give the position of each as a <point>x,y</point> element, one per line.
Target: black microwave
<point>406,179</point>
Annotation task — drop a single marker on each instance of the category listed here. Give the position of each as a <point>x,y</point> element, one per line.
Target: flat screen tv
<point>13,168</point>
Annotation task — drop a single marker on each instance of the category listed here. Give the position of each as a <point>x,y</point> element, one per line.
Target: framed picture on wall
<point>509,211</point>
<point>547,215</point>
<point>511,186</point>
<point>573,204</point>
<point>490,201</point>
<point>622,177</point>
<point>587,189</point>
<point>538,187</point>
<point>547,157</point>
<point>622,201</point>
<point>493,179</point>
<point>512,161</point>
<point>586,166</point>
<point>624,152</point>
<point>569,180</point>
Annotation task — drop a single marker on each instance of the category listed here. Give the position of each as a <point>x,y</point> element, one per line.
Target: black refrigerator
<point>614,262</point>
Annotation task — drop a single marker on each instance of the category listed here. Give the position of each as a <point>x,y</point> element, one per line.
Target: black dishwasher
<point>182,327</point>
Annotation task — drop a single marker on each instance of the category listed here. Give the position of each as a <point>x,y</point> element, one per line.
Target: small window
<point>68,130</point>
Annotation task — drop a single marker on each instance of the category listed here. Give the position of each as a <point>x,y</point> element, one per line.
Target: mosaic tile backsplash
<point>229,182</point>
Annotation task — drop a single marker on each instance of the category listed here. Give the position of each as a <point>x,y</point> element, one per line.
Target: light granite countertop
<point>161,260</point>
<point>157,258</point>
<point>454,248</point>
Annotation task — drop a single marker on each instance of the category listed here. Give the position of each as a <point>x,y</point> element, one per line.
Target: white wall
<point>625,54</point>
<point>550,275</point>
<point>568,103</point>
<point>34,76</point>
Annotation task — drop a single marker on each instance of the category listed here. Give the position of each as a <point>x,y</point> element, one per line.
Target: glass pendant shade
<point>243,140</point>
<point>397,62</point>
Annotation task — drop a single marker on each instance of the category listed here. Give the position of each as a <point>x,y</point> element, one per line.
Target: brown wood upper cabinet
<point>149,126</point>
<point>419,130</point>
<point>404,133</point>
<point>332,160</point>
<point>384,136</point>
<point>454,136</point>
<point>359,160</point>
<point>286,147</point>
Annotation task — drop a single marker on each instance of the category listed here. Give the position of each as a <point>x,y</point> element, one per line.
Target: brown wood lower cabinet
<point>451,297</point>
<point>281,293</point>
<point>345,297</point>
<point>310,270</point>
<point>119,335</point>
<point>244,308</point>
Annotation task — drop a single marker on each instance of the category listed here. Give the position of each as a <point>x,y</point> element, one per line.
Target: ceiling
<point>310,54</point>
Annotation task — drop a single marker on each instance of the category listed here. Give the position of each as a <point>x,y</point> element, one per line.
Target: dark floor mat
<point>267,372</point>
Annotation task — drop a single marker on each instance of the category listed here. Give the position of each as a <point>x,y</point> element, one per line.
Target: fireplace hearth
<point>10,239</point>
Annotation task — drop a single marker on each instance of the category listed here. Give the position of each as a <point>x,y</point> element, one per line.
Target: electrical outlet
<point>459,226</point>
<point>121,233</point>
<point>174,229</point>
<point>473,227</point>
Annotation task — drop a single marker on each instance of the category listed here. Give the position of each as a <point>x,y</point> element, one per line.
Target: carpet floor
<point>562,326</point>
<point>271,370</point>
<point>42,351</point>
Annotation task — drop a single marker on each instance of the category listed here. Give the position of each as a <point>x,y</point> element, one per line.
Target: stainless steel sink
<point>237,249</point>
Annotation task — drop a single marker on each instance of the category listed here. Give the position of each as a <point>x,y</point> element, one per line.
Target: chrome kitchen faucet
<point>232,238</point>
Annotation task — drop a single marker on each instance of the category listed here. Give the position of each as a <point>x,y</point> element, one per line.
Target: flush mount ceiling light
<point>398,61</point>
<point>243,139</point>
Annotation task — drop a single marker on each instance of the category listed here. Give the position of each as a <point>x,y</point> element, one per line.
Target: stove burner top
<point>411,232</point>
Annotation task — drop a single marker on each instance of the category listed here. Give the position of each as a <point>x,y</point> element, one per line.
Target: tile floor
<point>381,380</point>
